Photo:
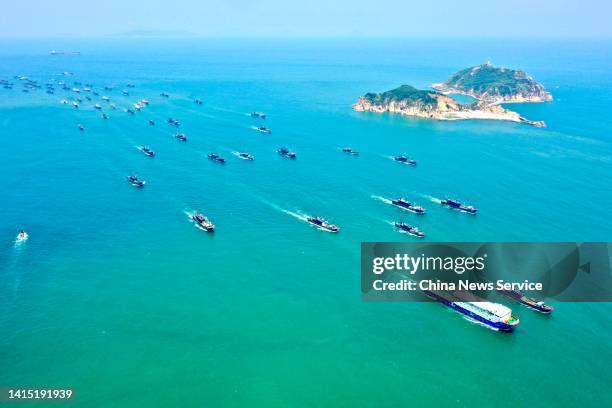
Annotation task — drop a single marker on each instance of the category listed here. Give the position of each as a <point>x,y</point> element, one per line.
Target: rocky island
<point>495,85</point>
<point>488,88</point>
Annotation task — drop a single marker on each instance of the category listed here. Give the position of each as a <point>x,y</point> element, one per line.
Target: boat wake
<point>431,198</point>
<point>471,320</point>
<point>18,248</point>
<point>297,215</point>
<point>20,242</point>
<point>383,199</point>
<point>257,128</point>
<point>237,154</point>
<point>189,214</point>
<point>476,322</point>
<point>303,217</point>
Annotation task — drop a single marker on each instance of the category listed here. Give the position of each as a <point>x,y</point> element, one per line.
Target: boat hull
<point>528,302</point>
<point>501,326</point>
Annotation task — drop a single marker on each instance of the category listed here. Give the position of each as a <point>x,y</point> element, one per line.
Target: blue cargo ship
<point>494,315</point>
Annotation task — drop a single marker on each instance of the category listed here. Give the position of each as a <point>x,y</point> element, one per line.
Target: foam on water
<point>383,199</point>
<point>478,322</point>
<point>297,215</point>
<point>431,198</point>
<point>237,154</point>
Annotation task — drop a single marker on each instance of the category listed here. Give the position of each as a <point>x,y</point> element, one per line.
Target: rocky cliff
<point>407,100</point>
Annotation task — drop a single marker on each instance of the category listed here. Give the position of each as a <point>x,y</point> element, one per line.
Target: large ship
<point>409,229</point>
<point>323,224</point>
<point>456,205</point>
<point>494,315</point>
<point>527,301</point>
<point>406,205</point>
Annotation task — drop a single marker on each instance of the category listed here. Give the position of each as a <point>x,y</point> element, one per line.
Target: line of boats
<point>147,151</point>
<point>402,203</point>
<point>491,314</point>
<point>319,221</point>
<point>205,224</point>
<point>449,202</point>
<point>494,315</point>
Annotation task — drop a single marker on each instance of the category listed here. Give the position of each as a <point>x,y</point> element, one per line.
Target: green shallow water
<point>117,295</point>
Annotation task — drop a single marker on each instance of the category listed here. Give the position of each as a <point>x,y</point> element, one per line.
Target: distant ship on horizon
<point>54,52</point>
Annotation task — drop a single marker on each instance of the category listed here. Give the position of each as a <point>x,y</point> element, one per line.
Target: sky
<point>307,18</point>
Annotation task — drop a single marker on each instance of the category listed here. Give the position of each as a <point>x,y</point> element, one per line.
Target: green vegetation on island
<point>405,93</point>
<point>490,86</point>
<point>495,85</point>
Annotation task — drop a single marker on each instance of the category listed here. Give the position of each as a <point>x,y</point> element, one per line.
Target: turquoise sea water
<point>117,295</point>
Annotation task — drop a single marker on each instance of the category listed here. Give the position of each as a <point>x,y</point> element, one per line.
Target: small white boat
<point>22,236</point>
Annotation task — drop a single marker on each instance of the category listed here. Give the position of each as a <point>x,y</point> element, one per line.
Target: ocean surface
<point>117,295</point>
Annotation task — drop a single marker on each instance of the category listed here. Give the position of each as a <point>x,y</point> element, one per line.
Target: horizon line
<point>128,36</point>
